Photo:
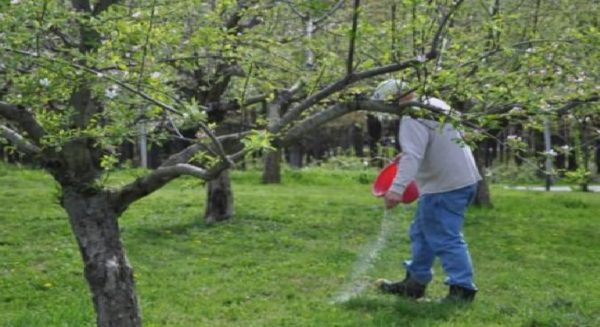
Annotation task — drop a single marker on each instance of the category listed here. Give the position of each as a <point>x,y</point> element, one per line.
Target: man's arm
<point>414,137</point>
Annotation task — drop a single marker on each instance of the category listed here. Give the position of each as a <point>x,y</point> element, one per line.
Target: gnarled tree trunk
<point>482,198</point>
<point>272,169</point>
<point>106,268</point>
<point>219,199</point>
<point>295,154</point>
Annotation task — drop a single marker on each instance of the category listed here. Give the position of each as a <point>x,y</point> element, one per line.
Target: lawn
<point>289,252</point>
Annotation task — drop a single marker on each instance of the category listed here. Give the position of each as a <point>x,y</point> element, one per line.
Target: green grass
<point>290,250</point>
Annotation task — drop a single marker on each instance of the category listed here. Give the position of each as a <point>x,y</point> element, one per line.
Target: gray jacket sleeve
<point>414,137</point>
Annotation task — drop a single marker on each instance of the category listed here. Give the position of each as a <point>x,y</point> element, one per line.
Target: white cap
<point>389,89</point>
<point>439,104</point>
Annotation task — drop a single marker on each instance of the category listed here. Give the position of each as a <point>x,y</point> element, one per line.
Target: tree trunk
<point>295,156</point>
<point>219,199</point>
<point>106,267</point>
<point>482,198</point>
<point>272,169</point>
<point>585,149</point>
<point>597,156</point>
<point>356,138</point>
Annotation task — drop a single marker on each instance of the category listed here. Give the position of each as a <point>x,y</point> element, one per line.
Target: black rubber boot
<point>458,294</point>
<point>409,288</point>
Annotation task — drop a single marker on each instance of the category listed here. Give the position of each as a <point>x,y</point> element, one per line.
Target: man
<point>447,176</point>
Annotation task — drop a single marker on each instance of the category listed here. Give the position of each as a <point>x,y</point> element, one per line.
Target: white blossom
<point>421,58</point>
<point>550,153</point>
<point>565,148</point>
<point>516,110</point>
<point>136,14</point>
<point>530,50</point>
<point>112,91</point>
<point>45,82</point>
<point>155,75</point>
<point>14,2</point>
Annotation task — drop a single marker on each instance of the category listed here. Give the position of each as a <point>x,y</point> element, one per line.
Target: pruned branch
<point>19,141</point>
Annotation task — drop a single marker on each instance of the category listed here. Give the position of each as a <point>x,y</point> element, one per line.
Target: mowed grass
<point>291,249</point>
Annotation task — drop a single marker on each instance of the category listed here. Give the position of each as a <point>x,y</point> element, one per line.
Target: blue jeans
<point>436,230</point>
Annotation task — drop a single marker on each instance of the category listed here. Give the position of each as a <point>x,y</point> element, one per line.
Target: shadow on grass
<point>396,311</point>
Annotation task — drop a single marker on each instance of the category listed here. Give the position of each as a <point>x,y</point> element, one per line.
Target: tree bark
<point>295,155</point>
<point>374,130</point>
<point>272,169</point>
<point>106,268</point>
<point>585,152</point>
<point>482,198</point>
<point>597,145</point>
<point>356,138</point>
<point>219,199</point>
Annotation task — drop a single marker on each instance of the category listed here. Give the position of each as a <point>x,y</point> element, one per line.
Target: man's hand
<point>391,199</point>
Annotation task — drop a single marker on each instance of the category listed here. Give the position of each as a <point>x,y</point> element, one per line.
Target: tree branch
<point>295,10</point>
<point>295,112</point>
<point>351,78</point>
<point>103,5</point>
<point>146,185</point>
<point>575,103</point>
<point>331,11</point>
<point>172,168</point>
<point>24,118</point>
<point>350,60</point>
<point>433,52</point>
<point>98,74</point>
<point>19,141</point>
<point>343,108</point>
<point>158,103</point>
<point>68,42</point>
